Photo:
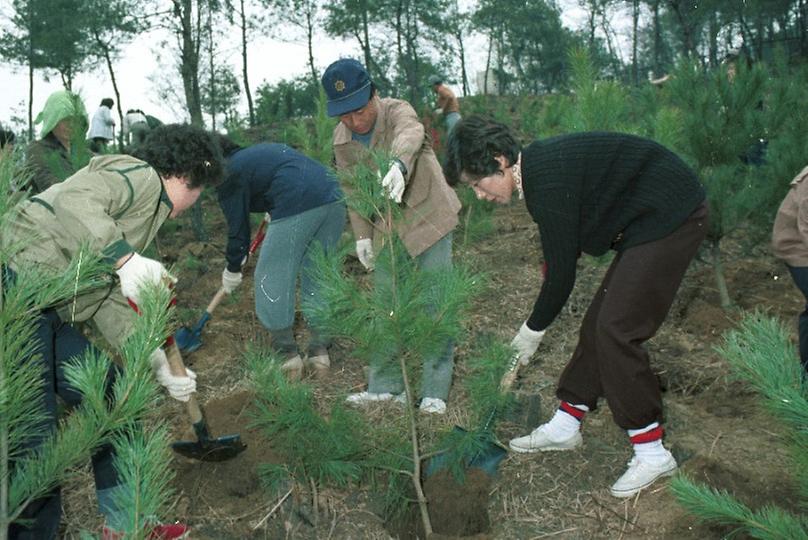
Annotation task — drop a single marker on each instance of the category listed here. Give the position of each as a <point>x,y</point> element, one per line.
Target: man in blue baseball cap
<point>413,179</point>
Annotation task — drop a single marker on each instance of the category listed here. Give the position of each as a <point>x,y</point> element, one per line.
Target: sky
<point>269,60</point>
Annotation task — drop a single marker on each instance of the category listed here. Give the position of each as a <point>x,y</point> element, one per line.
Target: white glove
<point>393,183</point>
<point>230,280</point>
<point>526,342</point>
<point>180,388</point>
<point>139,271</point>
<point>364,250</point>
<point>439,110</point>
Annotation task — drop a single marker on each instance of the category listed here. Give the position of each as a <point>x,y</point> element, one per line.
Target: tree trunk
<point>657,42</point>
<point>463,71</point>
<point>250,105</point>
<point>488,62</point>
<point>105,49</point>
<point>309,39</point>
<point>720,279</point>
<point>635,66</point>
<point>30,100</point>
<point>189,59</point>
<point>366,36</point>
<point>212,69</point>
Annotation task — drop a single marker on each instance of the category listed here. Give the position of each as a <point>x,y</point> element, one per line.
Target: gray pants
<point>286,253</point>
<point>452,118</point>
<point>437,375</point>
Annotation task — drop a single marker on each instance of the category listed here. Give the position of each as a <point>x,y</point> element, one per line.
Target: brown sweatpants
<point>629,307</point>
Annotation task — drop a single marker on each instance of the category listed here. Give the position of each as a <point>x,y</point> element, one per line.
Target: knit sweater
<point>591,192</point>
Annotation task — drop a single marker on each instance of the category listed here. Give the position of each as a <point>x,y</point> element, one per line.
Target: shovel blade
<point>487,457</point>
<point>187,340</point>
<point>218,449</point>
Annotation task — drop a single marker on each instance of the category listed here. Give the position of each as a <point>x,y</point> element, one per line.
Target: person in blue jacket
<point>307,208</point>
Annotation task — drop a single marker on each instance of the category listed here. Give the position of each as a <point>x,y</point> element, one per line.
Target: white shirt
<point>102,124</point>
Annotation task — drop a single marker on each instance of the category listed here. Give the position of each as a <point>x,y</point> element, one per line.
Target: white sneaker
<point>433,405</point>
<point>293,368</point>
<point>540,441</point>
<point>640,475</point>
<point>363,398</point>
<point>319,364</point>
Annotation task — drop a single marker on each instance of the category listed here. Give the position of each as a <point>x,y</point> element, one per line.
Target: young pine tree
<point>760,352</point>
<point>722,118</point>
<point>400,320</point>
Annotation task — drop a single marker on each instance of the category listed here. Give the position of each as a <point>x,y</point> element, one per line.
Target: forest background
<point>203,61</point>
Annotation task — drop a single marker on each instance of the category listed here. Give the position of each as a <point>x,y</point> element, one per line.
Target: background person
<point>135,127</point>
<point>591,193</point>
<point>447,102</point>
<point>56,154</point>
<point>307,210</point>
<point>116,204</point>
<point>102,127</point>
<point>415,180</point>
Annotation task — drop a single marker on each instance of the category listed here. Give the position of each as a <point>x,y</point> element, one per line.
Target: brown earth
<point>715,425</point>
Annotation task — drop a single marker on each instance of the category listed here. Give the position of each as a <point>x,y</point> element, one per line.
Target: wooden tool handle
<point>177,367</point>
<point>220,294</point>
<point>510,376</point>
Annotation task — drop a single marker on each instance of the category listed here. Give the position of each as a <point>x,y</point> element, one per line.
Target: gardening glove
<point>364,250</point>
<point>230,280</point>
<point>439,110</point>
<point>526,342</point>
<point>180,388</point>
<point>138,271</point>
<point>393,183</point>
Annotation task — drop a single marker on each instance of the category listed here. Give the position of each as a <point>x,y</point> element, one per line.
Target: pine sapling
<point>405,316</point>
<point>760,353</point>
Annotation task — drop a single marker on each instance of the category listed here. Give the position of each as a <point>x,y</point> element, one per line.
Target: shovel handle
<point>216,300</point>
<point>510,375</point>
<point>259,236</point>
<point>177,367</point>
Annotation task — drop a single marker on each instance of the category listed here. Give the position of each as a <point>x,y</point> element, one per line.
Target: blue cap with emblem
<point>347,86</point>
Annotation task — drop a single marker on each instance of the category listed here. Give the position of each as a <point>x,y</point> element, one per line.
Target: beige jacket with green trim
<point>431,205</point>
<point>115,205</point>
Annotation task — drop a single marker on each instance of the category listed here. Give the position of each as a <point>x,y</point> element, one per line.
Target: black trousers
<point>800,276</point>
<point>57,343</point>
<point>628,309</point>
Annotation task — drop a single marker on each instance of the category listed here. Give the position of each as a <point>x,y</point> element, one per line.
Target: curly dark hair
<point>228,145</point>
<point>183,150</point>
<point>473,144</point>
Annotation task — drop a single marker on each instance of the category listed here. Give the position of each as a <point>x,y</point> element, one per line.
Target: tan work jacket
<point>114,205</point>
<point>430,204</point>
<point>790,234</point>
<point>447,100</point>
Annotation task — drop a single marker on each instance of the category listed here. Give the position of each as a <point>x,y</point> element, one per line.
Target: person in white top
<point>102,127</point>
<point>135,126</point>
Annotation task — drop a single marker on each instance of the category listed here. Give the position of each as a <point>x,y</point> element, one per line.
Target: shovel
<point>205,447</point>
<point>491,452</point>
<point>190,339</point>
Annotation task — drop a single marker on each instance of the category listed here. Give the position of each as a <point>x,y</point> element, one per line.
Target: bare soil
<point>715,426</point>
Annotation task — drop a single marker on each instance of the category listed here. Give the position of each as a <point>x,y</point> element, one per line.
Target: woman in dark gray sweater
<point>591,193</point>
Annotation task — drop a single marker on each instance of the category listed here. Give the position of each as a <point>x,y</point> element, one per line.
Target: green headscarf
<point>60,105</point>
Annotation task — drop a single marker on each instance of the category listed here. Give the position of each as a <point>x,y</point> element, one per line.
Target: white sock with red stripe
<point>647,444</point>
<point>566,421</point>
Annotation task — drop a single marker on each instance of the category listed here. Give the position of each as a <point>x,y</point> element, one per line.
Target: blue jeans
<point>800,276</point>
<point>286,254</point>
<point>437,373</point>
<point>55,343</point>
<point>452,118</point>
